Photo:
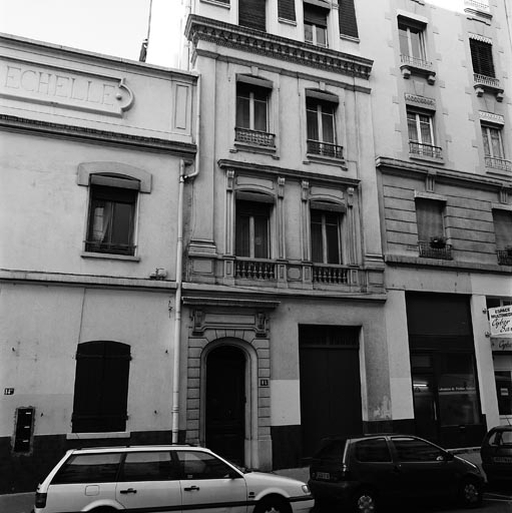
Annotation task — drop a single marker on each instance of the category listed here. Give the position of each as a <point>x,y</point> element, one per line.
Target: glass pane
<point>332,237</point>
<point>242,112</point>
<point>312,122</point>
<point>198,465</point>
<point>497,148</point>
<point>321,36</point>
<point>424,407</point>
<point>327,125</point>
<point>122,224</point>
<point>242,235</point>
<point>404,41</point>
<point>411,125</point>
<point>308,33</point>
<point>148,466</point>
<point>504,391</point>
<point>458,400</point>
<point>485,137</point>
<point>412,449</point>
<point>260,115</point>
<point>260,237</point>
<point>425,127</point>
<point>316,238</point>
<point>373,451</point>
<point>89,468</point>
<point>416,43</point>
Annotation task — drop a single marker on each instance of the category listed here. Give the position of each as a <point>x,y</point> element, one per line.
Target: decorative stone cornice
<point>490,117</point>
<point>420,101</point>
<point>254,41</point>
<point>9,122</point>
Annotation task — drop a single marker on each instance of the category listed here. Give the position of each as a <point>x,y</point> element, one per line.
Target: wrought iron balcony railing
<point>324,149</point>
<point>255,269</point>
<point>330,274</point>
<point>504,256</point>
<point>425,150</point>
<point>416,62</point>
<point>427,251</point>
<point>256,137</point>
<point>486,81</point>
<point>498,163</point>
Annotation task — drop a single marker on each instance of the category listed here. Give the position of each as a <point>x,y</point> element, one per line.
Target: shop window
<point>252,114</point>
<point>252,229</point>
<point>347,18</point>
<point>481,57</point>
<point>503,234</point>
<point>252,14</point>
<point>315,24</point>
<point>101,387</point>
<point>421,132</point>
<point>431,233</point>
<point>325,237</point>
<point>504,391</point>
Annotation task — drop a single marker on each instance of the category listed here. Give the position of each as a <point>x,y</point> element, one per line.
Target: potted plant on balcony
<point>438,242</point>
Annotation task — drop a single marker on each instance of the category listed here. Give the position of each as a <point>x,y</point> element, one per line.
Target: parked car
<point>164,478</point>
<point>496,452</point>
<point>363,473</point>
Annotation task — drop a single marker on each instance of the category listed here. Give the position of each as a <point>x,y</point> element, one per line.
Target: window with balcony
<point>252,240</point>
<point>431,233</point>
<point>503,233</point>
<point>315,24</point>
<point>111,224</point>
<point>252,115</point>
<point>493,148</point>
<point>252,14</point>
<point>421,131</point>
<point>325,237</point>
<point>481,57</point>
<point>321,126</point>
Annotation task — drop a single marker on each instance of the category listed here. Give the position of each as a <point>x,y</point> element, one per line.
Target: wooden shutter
<point>347,16</point>
<point>101,387</point>
<point>315,15</point>
<point>252,14</point>
<point>481,57</point>
<point>502,228</point>
<point>286,9</point>
<point>429,214</point>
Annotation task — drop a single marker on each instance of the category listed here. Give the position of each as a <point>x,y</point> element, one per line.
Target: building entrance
<point>225,402</point>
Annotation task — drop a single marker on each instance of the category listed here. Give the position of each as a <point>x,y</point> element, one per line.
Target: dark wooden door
<point>225,403</point>
<point>330,385</point>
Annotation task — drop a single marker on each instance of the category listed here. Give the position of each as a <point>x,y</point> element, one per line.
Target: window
<point>101,387</point>
<point>373,450</point>
<point>252,14</point>
<point>148,466</point>
<point>504,390</point>
<point>412,40</point>
<point>412,449</point>
<point>199,465</point>
<point>430,223</point>
<point>347,18</point>
<point>321,128</point>
<point>493,143</point>
<point>111,225</point>
<point>252,229</point>
<point>421,134</point>
<point>503,234</point>
<point>481,57</point>
<point>315,25</point>
<point>325,237</point>
<point>89,468</point>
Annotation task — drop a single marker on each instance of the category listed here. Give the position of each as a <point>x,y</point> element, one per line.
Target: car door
<point>149,479</point>
<point>425,470</point>
<point>209,485</point>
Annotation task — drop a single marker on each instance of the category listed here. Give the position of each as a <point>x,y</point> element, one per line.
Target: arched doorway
<point>225,402</point>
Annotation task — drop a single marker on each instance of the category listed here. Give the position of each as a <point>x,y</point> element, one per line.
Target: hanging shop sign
<point>500,319</point>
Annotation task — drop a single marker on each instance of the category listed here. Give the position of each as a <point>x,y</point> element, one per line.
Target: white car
<point>171,478</point>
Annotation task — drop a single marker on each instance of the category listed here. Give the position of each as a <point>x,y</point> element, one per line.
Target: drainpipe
<point>179,281</point>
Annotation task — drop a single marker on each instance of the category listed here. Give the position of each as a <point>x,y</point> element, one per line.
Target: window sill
<point>226,5</point>
<point>93,436</point>
<point>109,256</point>
<point>425,158</point>
<point>332,161</point>
<point>350,38</point>
<point>287,22</point>
<point>254,148</point>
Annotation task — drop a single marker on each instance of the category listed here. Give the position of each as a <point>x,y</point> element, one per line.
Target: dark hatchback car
<point>367,472</point>
<point>496,452</point>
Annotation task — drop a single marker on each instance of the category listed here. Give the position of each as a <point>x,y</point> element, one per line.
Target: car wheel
<point>470,493</point>
<point>364,501</point>
<point>272,505</point>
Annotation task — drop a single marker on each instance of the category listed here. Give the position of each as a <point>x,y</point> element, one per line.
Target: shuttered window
<point>502,228</point>
<point>101,387</point>
<point>252,14</point>
<point>286,9</point>
<point>347,16</point>
<point>481,57</point>
<point>429,216</point>
<point>315,25</point>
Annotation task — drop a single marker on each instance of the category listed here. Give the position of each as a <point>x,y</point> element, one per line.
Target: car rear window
<point>332,450</point>
<point>374,450</point>
<point>89,468</point>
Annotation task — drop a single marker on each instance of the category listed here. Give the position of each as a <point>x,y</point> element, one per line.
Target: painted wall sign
<point>63,87</point>
<point>500,319</point>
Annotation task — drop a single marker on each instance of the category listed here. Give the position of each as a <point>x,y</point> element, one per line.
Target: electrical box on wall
<point>24,428</point>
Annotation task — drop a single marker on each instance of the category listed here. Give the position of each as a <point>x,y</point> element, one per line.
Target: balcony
<point>329,274</point>
<point>324,149</point>
<point>498,163</point>
<point>504,256</point>
<point>410,64</point>
<point>254,137</point>
<point>481,8</point>
<point>253,269</point>
<point>427,250</point>
<point>425,150</point>
<point>483,83</point>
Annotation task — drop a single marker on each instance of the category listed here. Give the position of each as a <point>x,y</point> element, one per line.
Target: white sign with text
<point>500,319</point>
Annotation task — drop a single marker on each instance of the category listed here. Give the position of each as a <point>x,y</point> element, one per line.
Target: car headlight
<point>305,489</point>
